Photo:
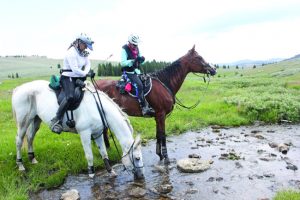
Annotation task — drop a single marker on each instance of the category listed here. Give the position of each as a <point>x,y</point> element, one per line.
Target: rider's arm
<point>74,65</point>
<point>124,61</point>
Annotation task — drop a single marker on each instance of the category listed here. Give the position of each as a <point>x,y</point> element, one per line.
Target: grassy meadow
<point>233,97</point>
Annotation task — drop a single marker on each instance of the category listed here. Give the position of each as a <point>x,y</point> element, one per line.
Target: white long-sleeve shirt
<point>79,65</point>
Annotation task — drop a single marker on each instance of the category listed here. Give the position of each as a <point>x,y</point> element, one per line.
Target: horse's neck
<point>118,122</point>
<point>173,76</point>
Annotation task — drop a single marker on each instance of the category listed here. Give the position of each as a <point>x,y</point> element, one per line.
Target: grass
<point>234,97</point>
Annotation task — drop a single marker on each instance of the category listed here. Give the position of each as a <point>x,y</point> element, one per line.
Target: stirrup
<point>148,112</point>
<point>56,126</point>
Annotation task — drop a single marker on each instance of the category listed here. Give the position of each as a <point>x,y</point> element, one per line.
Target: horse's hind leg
<point>22,127</point>
<point>33,128</point>
<point>99,140</point>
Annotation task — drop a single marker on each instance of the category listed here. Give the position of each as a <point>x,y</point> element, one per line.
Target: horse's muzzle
<point>138,174</point>
<point>212,71</point>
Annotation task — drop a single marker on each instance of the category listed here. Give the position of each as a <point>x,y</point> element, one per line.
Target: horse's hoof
<point>113,174</point>
<point>21,167</point>
<point>161,157</point>
<point>34,161</point>
<point>167,161</point>
<point>92,175</point>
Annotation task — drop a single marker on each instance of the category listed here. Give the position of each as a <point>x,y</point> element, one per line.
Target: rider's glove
<point>91,73</point>
<point>140,59</point>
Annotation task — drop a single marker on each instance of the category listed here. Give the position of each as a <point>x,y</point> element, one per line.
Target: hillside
<point>31,66</point>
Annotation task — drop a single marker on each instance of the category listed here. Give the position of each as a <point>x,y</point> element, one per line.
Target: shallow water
<point>259,172</point>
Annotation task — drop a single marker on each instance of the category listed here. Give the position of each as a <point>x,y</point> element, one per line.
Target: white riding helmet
<point>134,39</point>
<point>86,40</point>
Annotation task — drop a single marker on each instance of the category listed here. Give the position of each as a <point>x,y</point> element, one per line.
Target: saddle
<point>125,86</point>
<point>60,95</point>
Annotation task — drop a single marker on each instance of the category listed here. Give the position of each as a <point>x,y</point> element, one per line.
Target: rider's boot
<point>146,110</point>
<point>56,122</point>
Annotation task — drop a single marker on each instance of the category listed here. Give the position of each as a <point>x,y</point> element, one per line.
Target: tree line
<point>109,69</point>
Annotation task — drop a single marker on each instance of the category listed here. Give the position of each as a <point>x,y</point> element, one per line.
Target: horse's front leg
<point>161,145</point>
<point>99,140</point>
<point>85,137</point>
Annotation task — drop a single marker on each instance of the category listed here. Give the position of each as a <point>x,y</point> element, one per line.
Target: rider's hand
<point>140,59</point>
<point>91,73</point>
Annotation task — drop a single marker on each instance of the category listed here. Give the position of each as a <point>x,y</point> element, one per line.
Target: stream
<point>246,163</point>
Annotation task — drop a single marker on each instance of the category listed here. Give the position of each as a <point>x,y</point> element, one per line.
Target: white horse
<point>34,102</point>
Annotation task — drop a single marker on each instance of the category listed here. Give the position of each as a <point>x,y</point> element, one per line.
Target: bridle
<point>131,158</point>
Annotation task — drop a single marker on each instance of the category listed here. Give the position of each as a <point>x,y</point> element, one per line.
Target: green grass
<point>287,195</point>
<point>234,97</point>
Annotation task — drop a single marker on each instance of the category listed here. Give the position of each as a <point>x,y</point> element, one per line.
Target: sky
<point>222,31</point>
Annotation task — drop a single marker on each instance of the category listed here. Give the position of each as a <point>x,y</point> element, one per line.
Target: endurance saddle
<point>125,86</point>
<point>60,95</point>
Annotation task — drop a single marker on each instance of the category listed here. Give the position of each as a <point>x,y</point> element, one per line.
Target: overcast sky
<point>222,30</point>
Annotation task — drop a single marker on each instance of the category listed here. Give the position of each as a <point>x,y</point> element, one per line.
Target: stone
<point>193,165</point>
<point>137,192</point>
<point>70,195</point>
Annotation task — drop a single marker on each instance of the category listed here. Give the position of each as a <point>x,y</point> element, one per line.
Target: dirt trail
<point>247,164</point>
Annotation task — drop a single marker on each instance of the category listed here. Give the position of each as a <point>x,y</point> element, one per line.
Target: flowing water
<point>245,165</point>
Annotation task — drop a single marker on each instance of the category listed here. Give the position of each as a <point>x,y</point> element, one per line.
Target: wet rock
<point>238,165</point>
<point>292,167</point>
<point>210,179</point>
<point>273,145</point>
<point>216,131</point>
<point>137,192</point>
<point>194,156</point>
<point>191,191</point>
<point>165,188</point>
<point>269,175</point>
<point>283,148</point>
<point>260,151</point>
<point>193,165</point>
<point>255,131</point>
<point>259,136</point>
<point>70,195</point>
<point>229,156</point>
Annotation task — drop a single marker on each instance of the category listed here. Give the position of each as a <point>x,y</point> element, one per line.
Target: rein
<point>178,102</point>
<point>105,124</point>
<point>102,114</point>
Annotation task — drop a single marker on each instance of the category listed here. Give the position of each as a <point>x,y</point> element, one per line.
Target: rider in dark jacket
<point>130,62</point>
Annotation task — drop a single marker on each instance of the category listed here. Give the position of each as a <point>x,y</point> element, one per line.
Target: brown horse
<point>165,85</point>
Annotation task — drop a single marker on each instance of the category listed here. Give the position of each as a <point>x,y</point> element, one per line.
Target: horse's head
<point>133,160</point>
<point>196,63</point>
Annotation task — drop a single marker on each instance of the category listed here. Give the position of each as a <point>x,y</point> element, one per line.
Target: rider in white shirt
<point>76,66</point>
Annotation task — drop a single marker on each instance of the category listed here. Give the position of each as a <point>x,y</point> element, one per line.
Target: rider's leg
<point>140,93</point>
<point>69,87</point>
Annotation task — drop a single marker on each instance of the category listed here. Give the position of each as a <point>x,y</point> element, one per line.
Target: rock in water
<point>70,195</point>
<point>193,165</point>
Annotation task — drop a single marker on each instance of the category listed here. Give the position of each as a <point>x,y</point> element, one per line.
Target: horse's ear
<point>192,50</point>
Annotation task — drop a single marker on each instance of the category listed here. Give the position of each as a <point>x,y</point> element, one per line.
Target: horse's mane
<point>166,74</point>
<point>89,86</point>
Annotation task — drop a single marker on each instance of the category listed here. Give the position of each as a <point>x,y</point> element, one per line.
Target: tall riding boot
<point>56,122</point>
<point>146,110</point>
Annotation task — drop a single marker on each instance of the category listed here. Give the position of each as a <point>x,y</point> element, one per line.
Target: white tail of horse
<point>35,102</point>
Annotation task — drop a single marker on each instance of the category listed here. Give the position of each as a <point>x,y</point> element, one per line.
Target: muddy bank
<point>247,163</point>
